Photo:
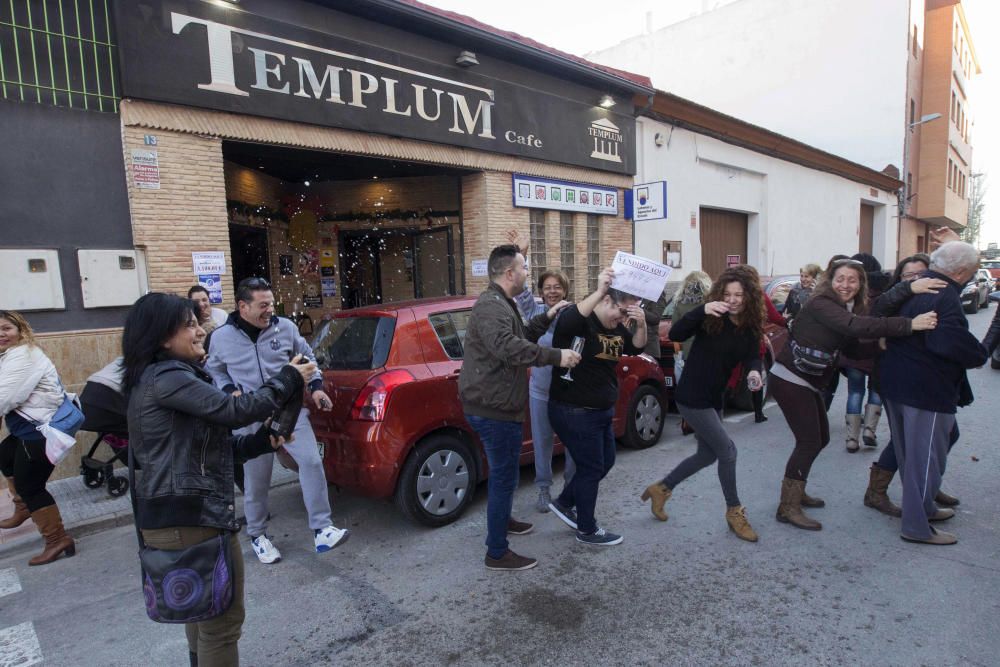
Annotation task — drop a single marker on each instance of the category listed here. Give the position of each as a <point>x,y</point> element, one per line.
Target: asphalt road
<point>687,592</point>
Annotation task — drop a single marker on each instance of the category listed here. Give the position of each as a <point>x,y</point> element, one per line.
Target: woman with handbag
<point>180,437</point>
<point>30,394</point>
<point>825,326</point>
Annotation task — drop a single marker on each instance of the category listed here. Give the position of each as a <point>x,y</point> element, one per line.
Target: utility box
<point>111,278</point>
<point>30,280</point>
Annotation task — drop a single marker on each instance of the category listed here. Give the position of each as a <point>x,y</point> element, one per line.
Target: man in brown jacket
<point>493,386</point>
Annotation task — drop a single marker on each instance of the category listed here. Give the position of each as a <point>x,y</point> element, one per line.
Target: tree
<point>977,193</point>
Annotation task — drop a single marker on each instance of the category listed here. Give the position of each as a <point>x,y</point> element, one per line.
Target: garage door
<point>723,240</point>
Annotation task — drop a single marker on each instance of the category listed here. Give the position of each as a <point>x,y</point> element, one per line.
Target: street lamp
<point>925,119</point>
<point>904,204</point>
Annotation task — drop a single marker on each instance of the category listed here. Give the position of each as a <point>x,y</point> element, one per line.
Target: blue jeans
<point>541,440</point>
<point>856,380</point>
<point>590,439</point>
<point>502,441</point>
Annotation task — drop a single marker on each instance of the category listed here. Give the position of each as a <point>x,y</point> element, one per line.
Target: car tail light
<point>373,398</point>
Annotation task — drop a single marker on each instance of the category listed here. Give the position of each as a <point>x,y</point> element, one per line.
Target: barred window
<point>593,251</point>
<point>536,241</point>
<point>58,52</point>
<point>567,249</point>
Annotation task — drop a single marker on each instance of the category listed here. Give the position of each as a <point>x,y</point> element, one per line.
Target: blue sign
<point>213,283</point>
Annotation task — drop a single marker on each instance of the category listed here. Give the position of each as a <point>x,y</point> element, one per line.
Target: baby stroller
<point>104,410</point>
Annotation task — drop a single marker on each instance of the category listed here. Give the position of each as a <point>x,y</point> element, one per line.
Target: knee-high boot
<point>57,542</point>
<point>21,512</point>
<point>872,415</point>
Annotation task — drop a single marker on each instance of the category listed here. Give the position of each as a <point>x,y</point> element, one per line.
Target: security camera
<point>658,139</point>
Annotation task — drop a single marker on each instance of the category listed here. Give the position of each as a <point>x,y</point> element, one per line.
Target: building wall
<point>830,74</point>
<point>796,215</point>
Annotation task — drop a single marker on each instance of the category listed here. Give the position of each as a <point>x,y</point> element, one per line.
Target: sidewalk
<point>86,511</point>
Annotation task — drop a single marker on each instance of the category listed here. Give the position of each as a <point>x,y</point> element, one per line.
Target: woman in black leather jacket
<point>180,434</point>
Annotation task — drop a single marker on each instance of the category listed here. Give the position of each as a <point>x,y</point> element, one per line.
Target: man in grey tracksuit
<point>250,348</point>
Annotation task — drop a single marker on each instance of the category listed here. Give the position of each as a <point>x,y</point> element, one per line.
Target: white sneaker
<point>330,537</point>
<point>266,552</point>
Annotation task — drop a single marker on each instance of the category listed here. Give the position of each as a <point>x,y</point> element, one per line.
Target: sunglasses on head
<point>848,262</point>
<point>255,284</point>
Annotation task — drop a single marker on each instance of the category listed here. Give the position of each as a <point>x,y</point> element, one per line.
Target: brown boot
<point>21,513</point>
<point>790,507</point>
<point>57,542</point>
<point>877,494</point>
<point>941,498</point>
<point>659,494</point>
<point>736,517</point>
<point>811,501</point>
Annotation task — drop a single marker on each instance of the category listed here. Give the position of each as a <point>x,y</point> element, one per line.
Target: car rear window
<point>355,343</point>
<point>779,294</point>
<point>450,329</point>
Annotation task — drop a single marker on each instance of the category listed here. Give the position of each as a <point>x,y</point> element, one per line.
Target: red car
<point>777,289</point>
<point>397,428</point>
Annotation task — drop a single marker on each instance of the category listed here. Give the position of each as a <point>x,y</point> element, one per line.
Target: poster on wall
<point>285,265</point>
<point>639,276</point>
<point>480,267</point>
<point>208,262</point>
<point>213,283</point>
<point>532,192</point>
<point>145,169</point>
<point>313,297</point>
<point>328,286</point>
<point>649,201</point>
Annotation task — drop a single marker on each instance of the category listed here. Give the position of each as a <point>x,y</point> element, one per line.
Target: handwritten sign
<point>480,267</point>
<point>639,276</point>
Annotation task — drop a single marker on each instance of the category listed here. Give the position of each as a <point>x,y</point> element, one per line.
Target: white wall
<point>796,215</point>
<point>830,73</point>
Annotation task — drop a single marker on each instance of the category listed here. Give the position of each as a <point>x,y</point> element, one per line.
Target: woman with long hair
<point>30,392</point>
<point>726,332</point>
<point>180,435</point>
<point>826,325</point>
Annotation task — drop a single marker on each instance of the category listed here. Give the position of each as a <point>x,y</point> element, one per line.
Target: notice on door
<point>639,276</point>
<point>145,169</point>
<point>733,260</point>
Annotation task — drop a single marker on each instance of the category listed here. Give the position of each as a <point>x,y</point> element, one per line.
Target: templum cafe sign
<point>199,54</point>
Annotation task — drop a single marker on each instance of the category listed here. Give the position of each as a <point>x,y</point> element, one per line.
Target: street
<point>687,592</point>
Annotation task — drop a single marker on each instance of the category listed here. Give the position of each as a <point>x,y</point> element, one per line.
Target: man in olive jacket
<point>493,386</point>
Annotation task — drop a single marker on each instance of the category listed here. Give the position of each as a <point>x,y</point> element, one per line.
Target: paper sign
<point>733,260</point>
<point>145,169</point>
<point>213,283</point>
<point>533,192</point>
<point>328,286</point>
<point>480,267</point>
<point>639,276</point>
<point>649,201</point>
<point>209,262</point>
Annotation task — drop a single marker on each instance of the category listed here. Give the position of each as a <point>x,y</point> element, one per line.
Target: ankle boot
<point>872,414</point>
<point>21,512</point>
<point>811,501</point>
<point>853,431</point>
<point>790,507</point>
<point>736,517</point>
<point>57,542</point>
<point>877,494</point>
<point>941,498</point>
<point>658,494</point>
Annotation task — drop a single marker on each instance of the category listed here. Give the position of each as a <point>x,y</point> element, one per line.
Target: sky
<point>582,26</point>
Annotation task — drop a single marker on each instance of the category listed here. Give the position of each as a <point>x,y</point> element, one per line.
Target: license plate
<point>321,446</point>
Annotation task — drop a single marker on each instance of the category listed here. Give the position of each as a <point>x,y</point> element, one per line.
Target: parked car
<point>777,289</point>
<point>993,266</point>
<point>976,293</point>
<point>397,429</point>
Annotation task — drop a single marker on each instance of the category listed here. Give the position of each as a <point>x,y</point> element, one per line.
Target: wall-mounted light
<point>466,59</point>
<point>607,101</point>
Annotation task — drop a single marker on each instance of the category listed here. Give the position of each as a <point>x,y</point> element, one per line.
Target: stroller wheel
<point>93,479</point>
<point>117,486</point>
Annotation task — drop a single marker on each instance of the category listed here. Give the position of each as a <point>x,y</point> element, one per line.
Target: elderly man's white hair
<point>954,257</point>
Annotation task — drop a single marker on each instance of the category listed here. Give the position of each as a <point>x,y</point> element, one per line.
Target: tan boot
<point>736,517</point>
<point>811,501</point>
<point>877,494</point>
<point>943,498</point>
<point>21,513</point>
<point>872,415</point>
<point>853,431</point>
<point>659,494</point>
<point>57,542</point>
<point>790,507</point>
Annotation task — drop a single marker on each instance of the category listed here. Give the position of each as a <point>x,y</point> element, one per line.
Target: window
<point>567,250</point>
<point>59,53</point>
<point>593,251</point>
<point>914,40</point>
<point>913,112</point>
<point>536,241</point>
<point>954,106</point>
<point>951,172</point>
<point>450,329</point>
<point>355,343</point>
<point>909,184</point>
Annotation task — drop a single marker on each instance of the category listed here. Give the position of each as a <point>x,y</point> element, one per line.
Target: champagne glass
<point>577,347</point>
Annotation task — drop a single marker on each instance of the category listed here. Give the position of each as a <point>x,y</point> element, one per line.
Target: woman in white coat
<point>30,390</point>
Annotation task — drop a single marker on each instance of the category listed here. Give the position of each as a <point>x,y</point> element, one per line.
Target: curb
<point>88,527</point>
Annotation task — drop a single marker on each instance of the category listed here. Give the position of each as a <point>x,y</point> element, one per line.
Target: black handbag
<point>811,361</point>
<point>184,585</point>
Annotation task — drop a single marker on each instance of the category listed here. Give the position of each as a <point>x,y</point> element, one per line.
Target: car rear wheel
<point>645,418</point>
<point>973,306</point>
<point>437,481</point>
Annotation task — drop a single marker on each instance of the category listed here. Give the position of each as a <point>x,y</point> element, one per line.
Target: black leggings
<point>805,413</point>
<point>25,461</point>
